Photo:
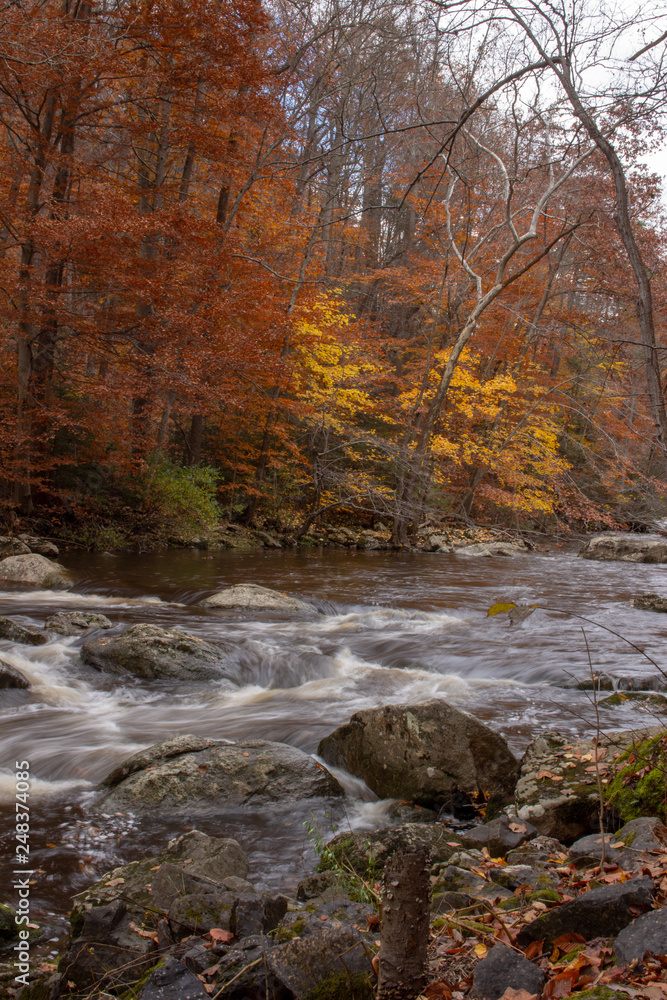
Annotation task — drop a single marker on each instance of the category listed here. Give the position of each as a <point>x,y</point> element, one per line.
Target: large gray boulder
<point>219,774</point>
<point>423,753</point>
<point>254,598</point>
<point>626,548</point>
<point>34,571</point>
<point>152,652</point>
<point>501,968</point>
<point>76,622</point>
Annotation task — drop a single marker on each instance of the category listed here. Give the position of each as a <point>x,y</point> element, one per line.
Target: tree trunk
<point>195,438</point>
<point>405,926</point>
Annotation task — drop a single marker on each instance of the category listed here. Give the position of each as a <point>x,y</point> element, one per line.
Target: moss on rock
<point>342,987</point>
<point>639,787</point>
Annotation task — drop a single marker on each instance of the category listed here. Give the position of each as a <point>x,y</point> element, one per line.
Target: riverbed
<point>390,628</point>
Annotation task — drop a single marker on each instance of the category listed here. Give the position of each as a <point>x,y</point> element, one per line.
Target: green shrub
<point>180,502</point>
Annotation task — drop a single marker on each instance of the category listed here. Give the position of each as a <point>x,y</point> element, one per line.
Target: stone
<point>76,622</point>
<point>514,876</point>
<point>10,677</point>
<point>542,853</point>
<point>244,973</point>
<point>269,541</point>
<point>423,753</point>
<point>152,652</point>
<point>600,912</point>
<point>499,836</point>
<point>643,700</point>
<point>12,547</point>
<point>8,928</point>
<point>14,632</point>
<point>612,681</point>
<point>218,858</point>
<point>48,988</point>
<point>650,602</point>
<point>366,852</point>
<point>646,933</point>
<point>438,543</point>
<point>557,788</point>
<point>258,914</point>
<point>637,788</point>
<point>501,968</point>
<point>454,882</point>
<point>42,546</point>
<point>324,956</point>
<point>198,912</point>
<point>626,847</point>
<point>254,598</point>
<point>314,886</point>
<point>626,548</point>
<point>254,771</point>
<point>172,980</point>
<point>34,571</point>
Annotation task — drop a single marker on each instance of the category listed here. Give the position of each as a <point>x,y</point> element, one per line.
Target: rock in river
<point>10,677</point>
<point>18,633</point>
<point>626,548</point>
<point>252,597</point>
<point>423,753</point>
<point>255,772</point>
<point>12,547</point>
<point>76,622</point>
<point>34,570</point>
<point>151,652</point>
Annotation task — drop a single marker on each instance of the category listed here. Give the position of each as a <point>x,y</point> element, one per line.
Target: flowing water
<point>390,628</point>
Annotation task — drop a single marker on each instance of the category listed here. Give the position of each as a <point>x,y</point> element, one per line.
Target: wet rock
<point>34,571</point>
<point>600,912</point>
<point>612,681</point>
<point>650,602</point>
<point>198,912</point>
<point>244,973</point>
<point>646,933</point>
<point>501,968</point>
<point>151,652</point>
<point>540,853</point>
<point>42,546</point>
<point>438,543</point>
<point>145,759</point>
<point>626,847</point>
<point>499,836</point>
<point>8,928</point>
<point>454,882</point>
<point>641,699</point>
<point>269,541</point>
<point>340,911</point>
<point>316,885</point>
<point>507,549</point>
<point>366,852</point>
<point>626,548</point>
<point>252,597</point>
<point>257,914</point>
<point>423,753</point>
<point>12,547</point>
<point>328,956</point>
<point>18,633</point>
<point>10,677</point>
<point>172,980</point>
<point>76,622</point>
<point>557,788</point>
<point>255,771</point>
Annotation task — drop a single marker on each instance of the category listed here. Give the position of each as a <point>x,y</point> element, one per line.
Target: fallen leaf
<point>152,935</point>
<point>518,827</point>
<point>480,949</point>
<point>511,994</point>
<point>438,991</point>
<point>115,881</point>
<point>218,934</point>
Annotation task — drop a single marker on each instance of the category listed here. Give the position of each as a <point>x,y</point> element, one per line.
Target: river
<point>392,627</point>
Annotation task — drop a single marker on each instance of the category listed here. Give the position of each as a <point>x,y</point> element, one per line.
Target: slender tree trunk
<point>405,926</point>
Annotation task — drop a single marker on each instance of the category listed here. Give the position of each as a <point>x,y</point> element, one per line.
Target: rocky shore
<point>527,892</point>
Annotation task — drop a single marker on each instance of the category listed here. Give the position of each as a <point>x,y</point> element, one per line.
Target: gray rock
<point>646,933</point>
<point>626,548</point>
<point>625,847</point>
<point>151,652</point>
<point>540,853</point>
<point>257,914</point>
<point>454,882</point>
<point>501,968</point>
<point>499,836</point>
<point>253,597</point>
<point>650,602</point>
<point>513,876</point>
<point>600,912</point>
<point>10,677</point>
<point>19,633</point>
<point>612,681</point>
<point>255,771</point>
<point>145,759</point>
<point>244,973</point>
<point>423,753</point>
<point>76,622</point>
<point>42,546</point>
<point>365,852</point>
<point>198,912</point>
<point>269,541</point>
<point>12,547</point>
<point>328,956</point>
<point>34,571</point>
<point>8,928</point>
<point>438,543</point>
<point>314,886</point>
<point>172,980</point>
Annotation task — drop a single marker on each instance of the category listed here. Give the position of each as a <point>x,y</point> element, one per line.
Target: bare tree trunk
<point>195,438</point>
<point>405,926</point>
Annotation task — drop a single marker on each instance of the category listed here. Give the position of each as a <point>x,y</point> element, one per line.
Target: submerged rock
<point>423,753</point>
<point>219,774</point>
<point>650,602</point>
<point>612,681</point>
<point>76,622</point>
<point>19,633</point>
<point>626,548</point>
<point>253,597</point>
<point>10,677</point>
<point>152,652</point>
<point>34,571</point>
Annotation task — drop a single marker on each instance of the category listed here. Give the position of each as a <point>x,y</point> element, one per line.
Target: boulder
<point>650,602</point>
<point>8,928</point>
<point>243,971</point>
<point>152,652</point>
<point>76,622</point>
<point>10,677</point>
<point>600,912</point>
<point>257,914</point>
<point>269,541</point>
<point>457,887</point>
<point>626,548</point>
<point>503,968</point>
<point>541,853</point>
<point>254,771</point>
<point>626,847</point>
<point>423,753</point>
<point>254,598</point>
<point>612,681</point>
<point>557,788</point>
<point>18,633</point>
<point>514,876</point>
<point>366,852</point>
<point>34,571</point>
<point>646,933</point>
<point>42,546</point>
<point>328,957</point>
<point>643,700</point>
<point>172,980</point>
<point>499,836</point>
<point>438,543</point>
<point>12,547</point>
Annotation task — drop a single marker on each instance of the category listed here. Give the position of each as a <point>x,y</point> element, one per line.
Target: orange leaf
<point>219,935</point>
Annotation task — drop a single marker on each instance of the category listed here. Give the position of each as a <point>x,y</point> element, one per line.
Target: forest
<point>355,259</point>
